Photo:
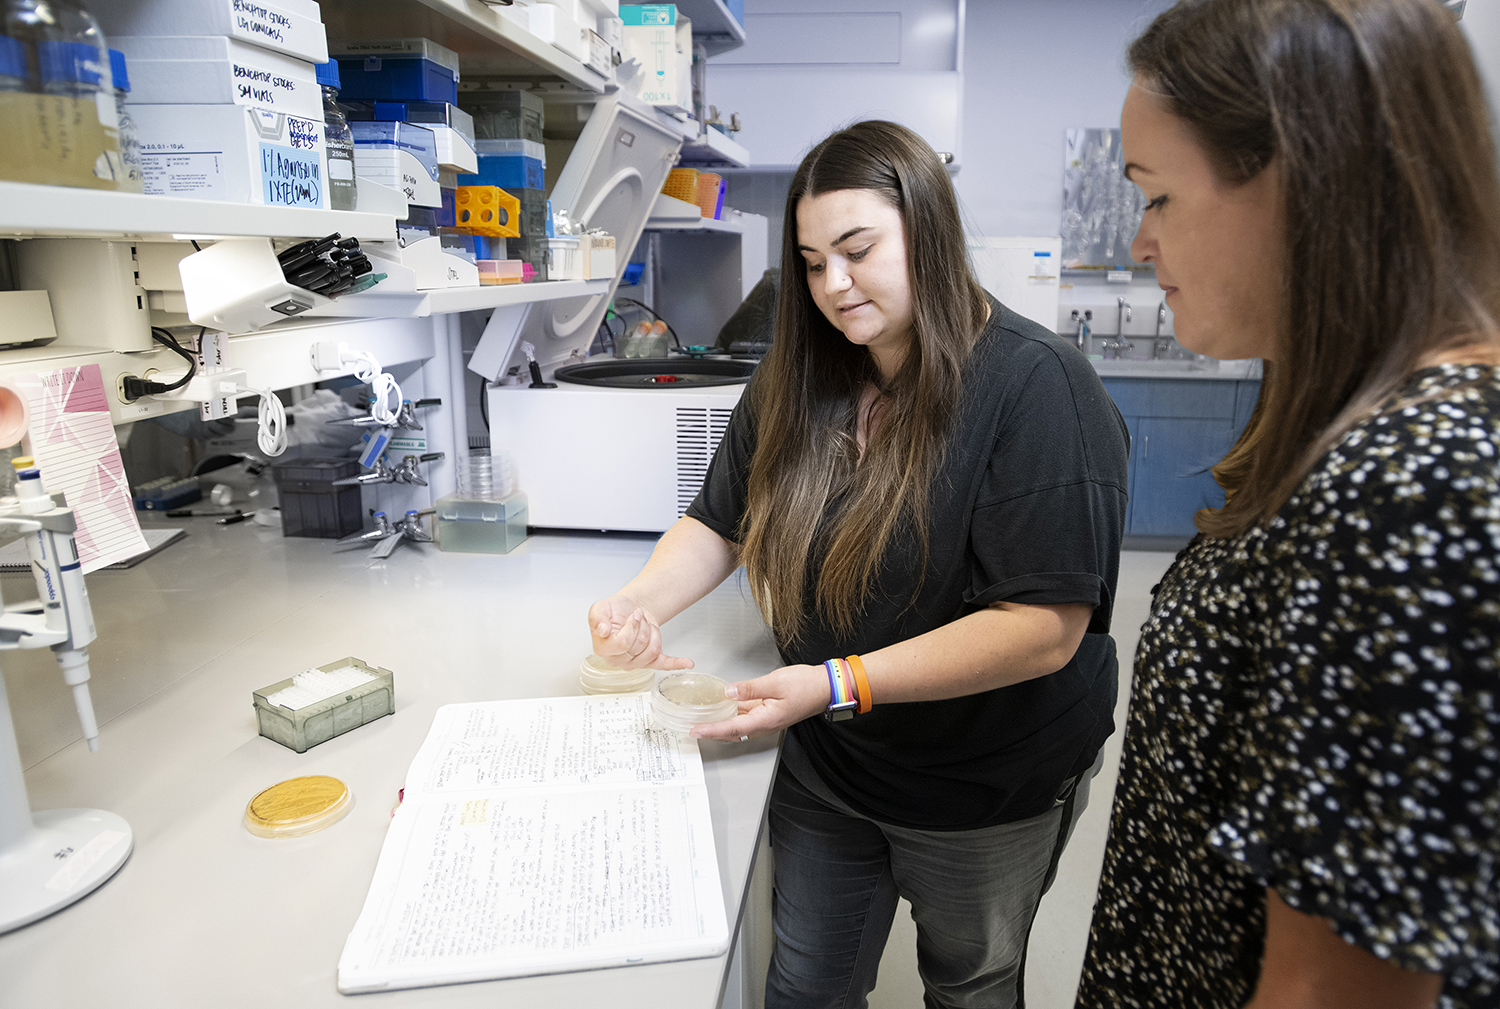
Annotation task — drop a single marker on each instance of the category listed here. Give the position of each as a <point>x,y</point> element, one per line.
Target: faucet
<point>1161,320</point>
<point>1119,343</point>
<point>1082,336</point>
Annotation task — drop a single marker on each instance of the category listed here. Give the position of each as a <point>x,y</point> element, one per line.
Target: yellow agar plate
<point>298,806</point>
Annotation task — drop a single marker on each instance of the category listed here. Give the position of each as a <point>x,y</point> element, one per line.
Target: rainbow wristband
<point>842,698</point>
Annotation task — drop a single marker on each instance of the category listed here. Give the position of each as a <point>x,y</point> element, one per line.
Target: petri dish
<point>595,676</point>
<point>680,701</point>
<point>298,806</point>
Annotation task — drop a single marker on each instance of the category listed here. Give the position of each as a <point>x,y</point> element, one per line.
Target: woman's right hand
<point>627,636</point>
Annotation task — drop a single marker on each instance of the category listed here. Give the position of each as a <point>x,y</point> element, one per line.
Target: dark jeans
<point>973,894</point>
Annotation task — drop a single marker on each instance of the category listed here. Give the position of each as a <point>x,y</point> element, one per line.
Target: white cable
<point>382,386</point>
<point>270,432</point>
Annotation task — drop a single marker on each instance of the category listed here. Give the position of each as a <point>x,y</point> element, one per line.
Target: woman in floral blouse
<point>1308,811</point>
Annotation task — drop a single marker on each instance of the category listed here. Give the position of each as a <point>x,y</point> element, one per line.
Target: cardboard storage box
<point>232,153</point>
<point>294,27</point>
<point>218,70</point>
<point>660,40</point>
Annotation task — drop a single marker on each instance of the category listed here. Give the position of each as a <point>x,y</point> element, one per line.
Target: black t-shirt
<point>1028,506</point>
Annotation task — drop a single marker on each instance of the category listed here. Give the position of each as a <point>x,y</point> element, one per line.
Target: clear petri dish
<point>298,806</point>
<point>680,701</point>
<point>595,676</point>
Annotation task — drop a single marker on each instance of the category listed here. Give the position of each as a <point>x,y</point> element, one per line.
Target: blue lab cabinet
<point>1178,429</point>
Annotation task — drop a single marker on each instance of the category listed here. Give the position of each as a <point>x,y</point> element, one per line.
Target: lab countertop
<point>204,913</point>
<point>1189,370</point>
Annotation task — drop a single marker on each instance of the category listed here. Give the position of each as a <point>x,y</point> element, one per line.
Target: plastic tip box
<point>311,505</point>
<point>318,722</point>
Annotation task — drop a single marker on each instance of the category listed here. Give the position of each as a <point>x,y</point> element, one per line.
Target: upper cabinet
<point>808,68</point>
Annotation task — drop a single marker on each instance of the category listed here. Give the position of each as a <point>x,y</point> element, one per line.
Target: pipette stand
<point>51,858</point>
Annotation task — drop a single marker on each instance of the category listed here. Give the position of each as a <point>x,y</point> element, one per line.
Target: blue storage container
<point>396,79</point>
<point>507,172</point>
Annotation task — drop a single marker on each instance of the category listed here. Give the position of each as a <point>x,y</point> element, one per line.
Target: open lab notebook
<point>537,837</point>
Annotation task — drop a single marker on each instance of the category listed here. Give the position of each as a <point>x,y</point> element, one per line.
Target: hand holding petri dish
<point>680,701</point>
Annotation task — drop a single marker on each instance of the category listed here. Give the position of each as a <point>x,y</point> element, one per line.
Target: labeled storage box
<point>311,505</point>
<point>430,266</point>
<point>218,70</point>
<point>660,40</point>
<point>477,526</point>
<point>401,156</point>
<point>294,27</point>
<point>505,115</point>
<point>232,153</point>
<point>319,721</point>
<point>398,70</point>
<point>452,128</point>
<point>598,254</point>
<point>509,164</point>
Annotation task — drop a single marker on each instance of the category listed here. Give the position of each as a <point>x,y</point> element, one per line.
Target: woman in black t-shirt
<point>927,492</point>
<point>1308,809</point>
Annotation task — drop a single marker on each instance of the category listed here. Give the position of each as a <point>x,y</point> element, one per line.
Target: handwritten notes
<point>536,837</point>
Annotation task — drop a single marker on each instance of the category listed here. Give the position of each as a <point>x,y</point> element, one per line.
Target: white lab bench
<point>204,913</point>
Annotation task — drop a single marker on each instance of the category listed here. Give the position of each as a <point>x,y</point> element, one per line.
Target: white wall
<point>1481,23</point>
<point>1031,70</point>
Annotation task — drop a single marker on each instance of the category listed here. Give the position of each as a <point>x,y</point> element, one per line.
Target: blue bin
<point>508,171</point>
<point>396,79</point>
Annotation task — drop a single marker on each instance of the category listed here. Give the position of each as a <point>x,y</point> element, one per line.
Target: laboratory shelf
<point>488,45</point>
<point>713,149</point>
<point>418,304</point>
<point>27,209</point>
<point>729,225</point>
<point>713,25</point>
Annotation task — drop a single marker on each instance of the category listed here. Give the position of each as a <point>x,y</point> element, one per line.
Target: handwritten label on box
<point>291,177</point>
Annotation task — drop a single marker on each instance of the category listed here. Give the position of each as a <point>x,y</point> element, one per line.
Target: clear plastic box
<point>320,721</point>
<point>470,525</point>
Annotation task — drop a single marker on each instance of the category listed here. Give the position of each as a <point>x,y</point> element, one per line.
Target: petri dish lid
<point>595,676</point>
<point>298,806</point>
<point>680,701</point>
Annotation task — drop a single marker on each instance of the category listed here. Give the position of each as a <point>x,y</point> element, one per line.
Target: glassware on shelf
<point>131,179</point>
<point>339,139</point>
<point>57,98</point>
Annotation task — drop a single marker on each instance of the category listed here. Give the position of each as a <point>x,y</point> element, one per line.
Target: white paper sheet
<point>74,444</point>
<point>537,837</point>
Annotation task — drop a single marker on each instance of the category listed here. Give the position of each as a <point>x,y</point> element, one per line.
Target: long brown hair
<point>1377,118</point>
<point>807,392</point>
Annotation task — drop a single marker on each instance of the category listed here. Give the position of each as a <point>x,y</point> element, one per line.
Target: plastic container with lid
<point>680,701</point>
<point>59,125</point>
<point>339,140</point>
<point>595,676</point>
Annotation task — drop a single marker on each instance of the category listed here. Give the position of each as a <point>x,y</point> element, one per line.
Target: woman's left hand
<point>771,703</point>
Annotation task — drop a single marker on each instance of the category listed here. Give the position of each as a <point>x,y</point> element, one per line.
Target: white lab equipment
<point>1024,273</point>
<point>50,858</point>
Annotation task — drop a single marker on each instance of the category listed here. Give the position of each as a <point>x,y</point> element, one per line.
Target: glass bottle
<point>131,179</point>
<point>60,127</point>
<point>342,190</point>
